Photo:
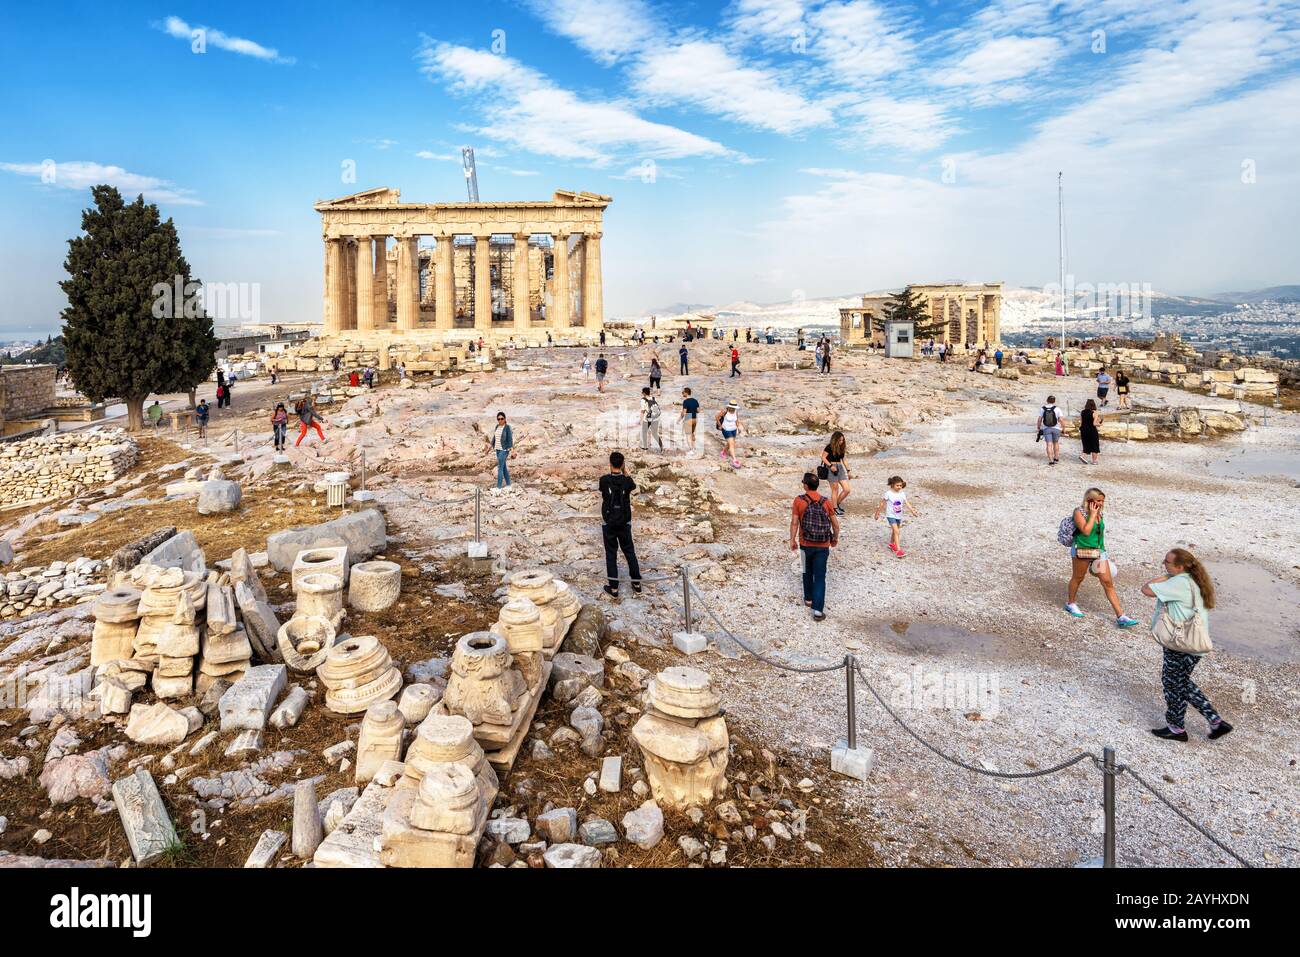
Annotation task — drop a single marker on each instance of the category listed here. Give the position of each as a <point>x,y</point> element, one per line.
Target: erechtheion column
<point>381,282</point>
<point>521,282</point>
<point>408,283</point>
<point>560,298</point>
<point>482,285</point>
<point>365,285</point>
<point>337,290</point>
<point>592,295</point>
<point>445,283</point>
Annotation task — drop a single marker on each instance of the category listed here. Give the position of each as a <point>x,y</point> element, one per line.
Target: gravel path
<point>976,605</point>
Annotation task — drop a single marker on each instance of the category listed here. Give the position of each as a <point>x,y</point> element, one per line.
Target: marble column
<point>482,285</point>
<point>336,291</point>
<point>593,296</point>
<point>365,285</point>
<point>381,282</point>
<point>350,271</point>
<point>521,282</point>
<point>558,317</point>
<point>961,313</point>
<point>408,283</point>
<point>445,281</point>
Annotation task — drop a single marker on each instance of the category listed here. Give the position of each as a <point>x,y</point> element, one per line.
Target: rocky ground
<point>974,605</point>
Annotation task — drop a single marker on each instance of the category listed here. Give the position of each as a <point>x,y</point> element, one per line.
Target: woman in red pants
<point>309,418</point>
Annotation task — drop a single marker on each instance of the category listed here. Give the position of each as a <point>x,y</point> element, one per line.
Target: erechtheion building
<point>971,314</point>
<point>450,272</point>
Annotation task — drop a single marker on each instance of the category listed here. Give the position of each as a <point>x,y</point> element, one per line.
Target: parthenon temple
<point>971,314</point>
<point>460,271</point>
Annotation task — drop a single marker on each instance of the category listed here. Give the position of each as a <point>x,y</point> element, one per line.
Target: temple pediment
<point>379,196</point>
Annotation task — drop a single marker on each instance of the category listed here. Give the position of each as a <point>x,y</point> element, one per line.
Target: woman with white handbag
<point>1180,625</point>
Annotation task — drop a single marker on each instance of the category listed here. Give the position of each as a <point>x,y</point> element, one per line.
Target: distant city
<point>1266,328</point>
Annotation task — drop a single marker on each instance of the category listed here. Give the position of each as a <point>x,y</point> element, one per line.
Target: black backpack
<point>1049,417</point>
<point>615,509</point>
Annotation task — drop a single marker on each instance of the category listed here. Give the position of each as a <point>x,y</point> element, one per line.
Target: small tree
<point>134,324</point>
<point>907,306</point>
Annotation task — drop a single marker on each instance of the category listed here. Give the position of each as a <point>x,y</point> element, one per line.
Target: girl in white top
<point>892,506</point>
<point>728,420</point>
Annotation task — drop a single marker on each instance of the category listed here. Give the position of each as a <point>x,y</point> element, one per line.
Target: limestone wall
<point>26,391</point>
<point>58,466</point>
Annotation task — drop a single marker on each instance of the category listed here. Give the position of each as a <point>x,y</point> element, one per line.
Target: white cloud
<point>912,125</point>
<point>704,74</point>
<point>999,60</point>
<point>444,157</point>
<point>859,41</point>
<point>82,175</point>
<point>609,30</point>
<point>178,28</point>
<point>525,110</point>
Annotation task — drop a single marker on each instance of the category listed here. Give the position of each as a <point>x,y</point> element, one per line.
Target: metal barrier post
<point>478,512</point>
<point>853,702</point>
<point>363,469</point>
<point>1108,804</point>
<point>686,598</point>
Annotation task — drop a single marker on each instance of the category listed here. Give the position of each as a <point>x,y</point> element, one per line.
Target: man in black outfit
<point>616,490</point>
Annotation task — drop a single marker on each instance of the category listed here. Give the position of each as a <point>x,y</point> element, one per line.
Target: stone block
<point>175,552</point>
<point>326,560</point>
<point>644,827</point>
<point>148,827</point>
<point>249,701</point>
<point>852,762</point>
<point>156,724</point>
<point>690,642</point>
<point>611,774</point>
<point>597,831</point>
<point>559,825</point>
<point>572,855</point>
<point>587,670</point>
<point>364,532</point>
<point>216,497</point>
<point>268,846</point>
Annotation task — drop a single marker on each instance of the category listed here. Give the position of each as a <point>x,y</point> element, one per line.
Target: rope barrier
<point>1043,772</point>
<point>816,669</point>
<point>1125,769</point>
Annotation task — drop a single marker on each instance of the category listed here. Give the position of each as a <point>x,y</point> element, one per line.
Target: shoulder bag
<point>1191,637</point>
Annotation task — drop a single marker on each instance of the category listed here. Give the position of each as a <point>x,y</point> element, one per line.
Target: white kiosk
<point>899,336</point>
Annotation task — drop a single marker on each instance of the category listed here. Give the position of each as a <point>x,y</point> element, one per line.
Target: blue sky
<point>756,150</point>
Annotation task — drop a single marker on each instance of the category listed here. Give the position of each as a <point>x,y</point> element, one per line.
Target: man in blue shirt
<point>685,357</point>
<point>689,417</point>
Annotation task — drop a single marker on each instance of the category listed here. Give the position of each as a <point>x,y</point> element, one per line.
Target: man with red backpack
<point>814,530</point>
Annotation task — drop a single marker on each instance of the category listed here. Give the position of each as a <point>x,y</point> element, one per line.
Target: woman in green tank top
<point>1090,538</point>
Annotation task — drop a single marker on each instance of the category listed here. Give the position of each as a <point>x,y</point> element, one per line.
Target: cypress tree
<point>134,324</point>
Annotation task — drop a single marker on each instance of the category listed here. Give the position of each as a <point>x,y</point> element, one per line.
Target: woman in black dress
<point>1089,423</point>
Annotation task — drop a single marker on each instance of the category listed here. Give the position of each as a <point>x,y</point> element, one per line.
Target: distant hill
<point>1275,293</point>
<point>51,352</point>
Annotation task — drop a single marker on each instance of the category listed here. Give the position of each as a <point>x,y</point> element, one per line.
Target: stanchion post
<point>478,513</point>
<point>686,598</point>
<point>363,469</point>
<point>1108,804</point>
<point>851,690</point>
